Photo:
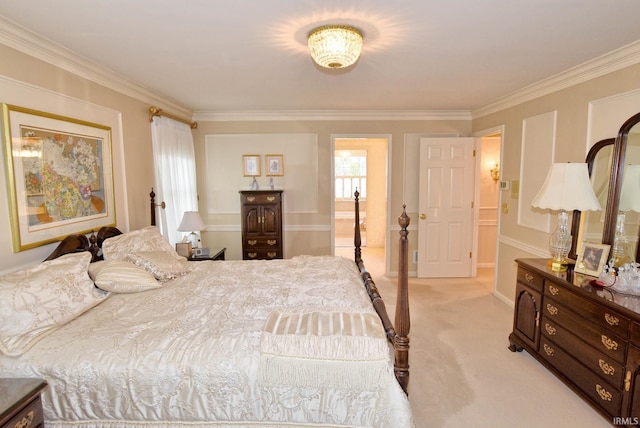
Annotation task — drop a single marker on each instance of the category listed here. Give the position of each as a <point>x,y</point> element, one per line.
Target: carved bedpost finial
<point>404,219</point>
<point>357,239</point>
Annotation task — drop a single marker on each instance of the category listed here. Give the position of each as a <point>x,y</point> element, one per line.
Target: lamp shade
<point>191,222</point>
<point>630,190</point>
<point>567,187</point>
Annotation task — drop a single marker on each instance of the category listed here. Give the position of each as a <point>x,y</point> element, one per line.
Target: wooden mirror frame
<point>615,184</point>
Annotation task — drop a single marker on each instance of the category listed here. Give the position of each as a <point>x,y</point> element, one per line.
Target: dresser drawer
<point>593,334</point>
<point>601,393</point>
<point>531,279</point>
<point>598,314</point>
<point>262,242</point>
<point>29,417</point>
<point>262,254</point>
<point>260,198</point>
<point>605,366</point>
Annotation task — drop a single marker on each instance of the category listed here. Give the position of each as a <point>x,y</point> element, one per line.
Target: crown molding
<point>27,42</point>
<point>283,115</point>
<point>612,61</point>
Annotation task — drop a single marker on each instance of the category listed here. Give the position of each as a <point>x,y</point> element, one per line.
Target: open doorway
<point>360,162</point>
<point>489,193</point>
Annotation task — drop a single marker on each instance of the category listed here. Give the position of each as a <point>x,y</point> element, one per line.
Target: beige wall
<point>21,73</point>
<point>572,106</point>
<point>310,233</point>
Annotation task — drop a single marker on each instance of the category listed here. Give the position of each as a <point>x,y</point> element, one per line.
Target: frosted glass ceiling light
<point>335,46</point>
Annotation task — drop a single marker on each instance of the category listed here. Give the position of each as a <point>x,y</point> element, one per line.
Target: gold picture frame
<point>591,258</point>
<point>274,165</point>
<point>251,165</point>
<point>59,175</point>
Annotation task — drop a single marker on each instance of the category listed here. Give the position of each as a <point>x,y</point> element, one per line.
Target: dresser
<point>261,212</point>
<point>588,336</point>
<point>20,403</point>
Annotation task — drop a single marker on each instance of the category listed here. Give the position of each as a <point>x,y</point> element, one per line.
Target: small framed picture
<point>273,165</point>
<point>591,258</point>
<point>251,165</point>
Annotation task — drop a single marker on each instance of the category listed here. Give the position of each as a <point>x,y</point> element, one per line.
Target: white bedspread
<point>189,353</point>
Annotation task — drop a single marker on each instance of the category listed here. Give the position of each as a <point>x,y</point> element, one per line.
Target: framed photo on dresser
<point>592,258</point>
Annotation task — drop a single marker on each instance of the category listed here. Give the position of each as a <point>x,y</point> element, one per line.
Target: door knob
<point>423,216</point>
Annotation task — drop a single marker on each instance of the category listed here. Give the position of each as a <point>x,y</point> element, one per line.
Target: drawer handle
<point>271,198</point>
<point>272,254</point>
<point>26,421</point>
<point>251,198</point>
<point>606,368</point>
<point>550,329</point>
<point>552,309</point>
<point>611,320</point>
<point>272,242</point>
<point>252,242</point>
<point>528,277</point>
<point>554,290</point>
<point>549,350</point>
<point>610,344</point>
<point>603,393</point>
<point>252,255</point>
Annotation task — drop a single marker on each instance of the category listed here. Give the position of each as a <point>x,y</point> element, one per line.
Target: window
<point>350,173</point>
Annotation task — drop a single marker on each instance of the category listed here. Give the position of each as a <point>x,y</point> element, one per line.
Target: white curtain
<point>175,169</point>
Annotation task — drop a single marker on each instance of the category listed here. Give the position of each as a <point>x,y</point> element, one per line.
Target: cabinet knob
<point>252,242</point>
<point>252,255</point>
<point>528,277</point>
<point>606,368</point>
<point>554,290</point>
<point>272,255</point>
<point>611,319</point>
<point>552,309</point>
<point>548,350</point>
<point>603,393</point>
<point>271,198</point>
<point>26,421</point>
<point>608,343</point>
<point>272,242</point>
<point>551,330</point>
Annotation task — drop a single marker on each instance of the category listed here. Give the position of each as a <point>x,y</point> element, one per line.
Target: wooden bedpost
<point>402,320</point>
<point>153,207</point>
<point>357,240</point>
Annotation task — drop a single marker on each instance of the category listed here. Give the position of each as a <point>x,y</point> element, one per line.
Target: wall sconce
<point>494,169</point>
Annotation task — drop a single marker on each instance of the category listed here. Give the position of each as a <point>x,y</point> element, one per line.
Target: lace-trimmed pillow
<point>121,277</point>
<point>160,263</point>
<point>145,239</point>
<point>35,302</point>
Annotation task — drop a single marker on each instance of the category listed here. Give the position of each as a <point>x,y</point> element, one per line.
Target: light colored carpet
<point>462,373</point>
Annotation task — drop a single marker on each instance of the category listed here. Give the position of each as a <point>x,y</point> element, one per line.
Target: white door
<point>446,207</point>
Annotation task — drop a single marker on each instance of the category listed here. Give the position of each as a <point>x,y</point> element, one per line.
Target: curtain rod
<point>155,111</point>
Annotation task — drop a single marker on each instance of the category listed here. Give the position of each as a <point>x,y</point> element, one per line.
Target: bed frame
<point>398,336</point>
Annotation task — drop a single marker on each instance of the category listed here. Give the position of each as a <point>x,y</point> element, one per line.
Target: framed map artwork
<point>60,176</point>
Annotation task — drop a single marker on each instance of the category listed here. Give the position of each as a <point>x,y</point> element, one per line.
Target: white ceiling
<point>251,55</point>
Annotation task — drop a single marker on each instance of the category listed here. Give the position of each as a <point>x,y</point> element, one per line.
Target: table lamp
<point>567,187</point>
<point>622,252</point>
<point>191,222</point>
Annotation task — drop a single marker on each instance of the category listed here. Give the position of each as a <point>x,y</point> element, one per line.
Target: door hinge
<point>474,153</point>
<point>470,254</point>
<point>473,204</point>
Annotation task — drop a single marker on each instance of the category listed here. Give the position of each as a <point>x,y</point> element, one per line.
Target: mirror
<point>610,163</point>
<point>591,223</point>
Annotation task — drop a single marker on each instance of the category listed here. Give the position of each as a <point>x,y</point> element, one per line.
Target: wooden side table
<point>20,403</point>
<point>217,256</point>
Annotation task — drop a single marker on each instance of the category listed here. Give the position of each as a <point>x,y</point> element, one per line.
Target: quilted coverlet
<point>234,343</point>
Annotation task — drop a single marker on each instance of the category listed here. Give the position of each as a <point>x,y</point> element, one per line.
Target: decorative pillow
<point>160,263</point>
<point>36,301</point>
<point>121,277</point>
<point>145,239</point>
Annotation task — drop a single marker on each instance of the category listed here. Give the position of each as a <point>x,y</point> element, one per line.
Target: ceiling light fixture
<point>335,46</point>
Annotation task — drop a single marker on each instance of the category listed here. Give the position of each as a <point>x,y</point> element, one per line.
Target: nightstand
<point>20,403</point>
<point>217,256</point>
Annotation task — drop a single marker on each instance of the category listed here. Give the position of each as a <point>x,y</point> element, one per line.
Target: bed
<point>128,333</point>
